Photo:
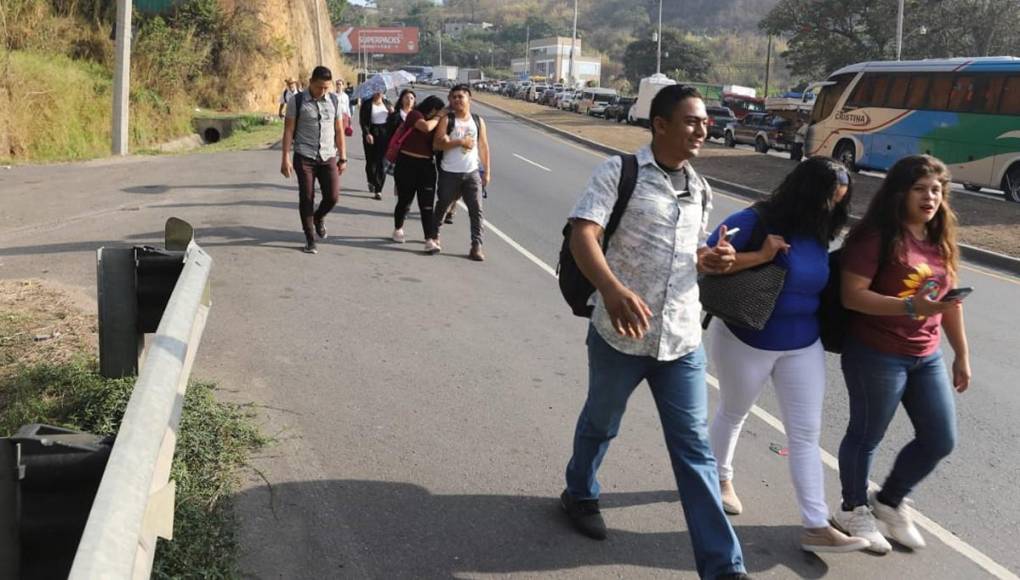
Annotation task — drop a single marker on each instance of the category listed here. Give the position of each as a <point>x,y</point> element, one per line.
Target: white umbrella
<point>382,82</point>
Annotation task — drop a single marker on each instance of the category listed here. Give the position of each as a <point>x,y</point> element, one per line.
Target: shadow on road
<point>160,188</point>
<point>376,529</point>
<point>227,236</point>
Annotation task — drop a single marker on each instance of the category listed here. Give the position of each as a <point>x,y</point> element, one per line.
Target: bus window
<point>917,94</point>
<point>828,97</point>
<point>1010,103</point>
<point>962,96</point>
<point>877,97</point>
<point>986,93</point>
<point>862,92</point>
<point>897,96</point>
<point>938,96</point>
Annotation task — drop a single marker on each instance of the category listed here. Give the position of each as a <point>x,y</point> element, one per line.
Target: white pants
<point>799,380</point>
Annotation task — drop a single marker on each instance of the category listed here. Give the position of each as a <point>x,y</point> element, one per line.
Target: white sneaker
<point>860,523</point>
<point>398,236</point>
<point>899,521</point>
<point>431,247</point>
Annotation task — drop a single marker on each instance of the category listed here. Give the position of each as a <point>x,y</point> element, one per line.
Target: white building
<point>550,58</point>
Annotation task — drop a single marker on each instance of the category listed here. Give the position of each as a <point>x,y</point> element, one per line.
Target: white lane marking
<point>526,160</point>
<point>933,528</point>
<point>513,244</point>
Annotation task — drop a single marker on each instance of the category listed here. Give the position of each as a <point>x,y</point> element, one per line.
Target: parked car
<point>718,119</point>
<point>763,130</point>
<point>619,108</point>
<point>558,98</point>
<point>548,96</point>
<point>590,96</point>
<point>569,101</point>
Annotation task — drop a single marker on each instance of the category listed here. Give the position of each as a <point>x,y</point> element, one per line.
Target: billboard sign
<point>352,39</point>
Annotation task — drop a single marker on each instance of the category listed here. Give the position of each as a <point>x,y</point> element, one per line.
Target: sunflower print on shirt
<point>922,278</point>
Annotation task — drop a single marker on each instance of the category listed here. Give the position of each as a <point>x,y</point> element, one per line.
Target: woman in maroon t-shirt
<point>898,263</point>
<point>415,172</point>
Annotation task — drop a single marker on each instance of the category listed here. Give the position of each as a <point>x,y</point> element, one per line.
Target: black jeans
<point>374,153</point>
<point>416,177</point>
<point>328,175</point>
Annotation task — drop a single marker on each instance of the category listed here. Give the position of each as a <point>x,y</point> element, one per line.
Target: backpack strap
<point>299,101</point>
<point>624,191</point>
<point>336,103</point>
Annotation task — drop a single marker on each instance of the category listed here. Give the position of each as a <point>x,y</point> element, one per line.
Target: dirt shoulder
<point>42,321</point>
<point>985,223</point>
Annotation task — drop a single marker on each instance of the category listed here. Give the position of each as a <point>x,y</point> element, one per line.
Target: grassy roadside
<point>48,374</point>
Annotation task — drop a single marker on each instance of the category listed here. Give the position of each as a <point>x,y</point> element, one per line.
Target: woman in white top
<point>375,137</point>
<point>405,104</point>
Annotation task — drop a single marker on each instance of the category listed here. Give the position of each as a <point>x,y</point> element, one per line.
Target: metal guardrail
<point>135,501</point>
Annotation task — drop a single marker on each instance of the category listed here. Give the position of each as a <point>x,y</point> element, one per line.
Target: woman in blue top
<point>793,227</point>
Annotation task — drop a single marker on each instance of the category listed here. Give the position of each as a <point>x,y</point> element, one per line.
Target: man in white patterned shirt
<point>645,325</point>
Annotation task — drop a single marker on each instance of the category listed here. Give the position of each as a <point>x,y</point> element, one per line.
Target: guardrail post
<point>120,341</point>
<point>10,510</point>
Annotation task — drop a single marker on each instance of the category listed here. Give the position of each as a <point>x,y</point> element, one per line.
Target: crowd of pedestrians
<point>893,276</point>
<point>438,153</point>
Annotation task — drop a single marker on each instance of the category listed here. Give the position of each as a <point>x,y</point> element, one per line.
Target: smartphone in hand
<point>957,294</point>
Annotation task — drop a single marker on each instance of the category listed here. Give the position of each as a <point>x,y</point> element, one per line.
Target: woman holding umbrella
<point>375,138</point>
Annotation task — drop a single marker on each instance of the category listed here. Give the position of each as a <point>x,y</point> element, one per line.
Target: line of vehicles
<point>965,111</point>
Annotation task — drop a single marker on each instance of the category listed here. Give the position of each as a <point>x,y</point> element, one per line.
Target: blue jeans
<point>680,395</point>
<point>877,383</point>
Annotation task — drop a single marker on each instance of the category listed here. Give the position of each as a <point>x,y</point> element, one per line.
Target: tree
<point>688,60</point>
<point>825,35</point>
<point>337,10</point>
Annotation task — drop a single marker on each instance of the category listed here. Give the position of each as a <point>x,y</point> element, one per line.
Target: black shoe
<point>310,248</point>
<point>320,229</point>
<point>734,576</point>
<point>585,515</point>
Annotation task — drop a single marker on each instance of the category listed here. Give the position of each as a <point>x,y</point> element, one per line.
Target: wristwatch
<point>341,160</point>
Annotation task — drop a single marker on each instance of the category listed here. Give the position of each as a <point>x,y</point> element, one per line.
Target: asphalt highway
<point>422,407</point>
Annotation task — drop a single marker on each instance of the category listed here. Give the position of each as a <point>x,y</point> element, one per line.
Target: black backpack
<point>576,289</point>
<point>451,121</point>
<point>833,317</point>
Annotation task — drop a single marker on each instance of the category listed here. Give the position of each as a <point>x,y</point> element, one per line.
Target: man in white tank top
<point>465,148</point>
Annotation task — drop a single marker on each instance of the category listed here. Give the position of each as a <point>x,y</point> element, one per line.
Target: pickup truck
<point>762,130</point>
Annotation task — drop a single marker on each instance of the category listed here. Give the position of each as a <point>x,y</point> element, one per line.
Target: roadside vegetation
<point>56,61</point>
<point>49,374</point>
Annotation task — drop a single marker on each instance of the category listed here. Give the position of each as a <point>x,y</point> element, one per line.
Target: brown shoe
<point>829,539</point>
<point>730,502</point>
<point>476,253</point>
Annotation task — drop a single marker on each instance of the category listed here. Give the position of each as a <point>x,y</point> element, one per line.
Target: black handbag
<point>746,298</point>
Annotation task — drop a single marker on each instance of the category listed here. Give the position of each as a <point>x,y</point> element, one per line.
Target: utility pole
<point>122,79</point>
<point>573,42</point>
<point>318,31</point>
<point>768,67</point>
<point>527,53</point>
<point>440,44</point>
<point>899,30</point>
<point>658,50</point>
